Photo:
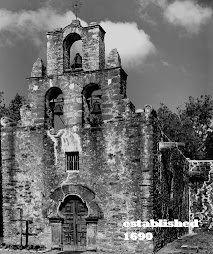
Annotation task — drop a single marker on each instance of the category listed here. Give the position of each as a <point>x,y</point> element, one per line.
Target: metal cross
<point>76,5</point>
<point>27,234</point>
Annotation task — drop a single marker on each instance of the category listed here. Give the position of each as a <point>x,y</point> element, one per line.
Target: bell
<point>96,108</point>
<point>58,110</point>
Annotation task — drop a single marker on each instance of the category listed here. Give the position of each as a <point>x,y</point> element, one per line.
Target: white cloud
<point>146,8</point>
<point>43,19</point>
<point>146,3</point>
<point>29,24</point>
<point>187,14</point>
<point>133,44</point>
<point>165,63</point>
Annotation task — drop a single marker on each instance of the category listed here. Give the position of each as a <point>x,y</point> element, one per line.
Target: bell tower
<point>77,87</point>
<point>60,41</point>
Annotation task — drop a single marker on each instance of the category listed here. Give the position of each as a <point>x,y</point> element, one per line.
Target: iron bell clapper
<point>96,108</point>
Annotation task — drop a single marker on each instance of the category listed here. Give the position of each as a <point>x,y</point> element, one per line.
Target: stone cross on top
<point>76,5</point>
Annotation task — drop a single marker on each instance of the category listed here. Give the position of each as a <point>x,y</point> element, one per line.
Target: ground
<point>191,243</point>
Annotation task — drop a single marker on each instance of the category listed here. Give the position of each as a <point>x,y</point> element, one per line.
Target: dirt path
<point>192,243</point>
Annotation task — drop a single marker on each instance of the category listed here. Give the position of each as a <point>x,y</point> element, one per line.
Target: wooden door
<point>74,227</point>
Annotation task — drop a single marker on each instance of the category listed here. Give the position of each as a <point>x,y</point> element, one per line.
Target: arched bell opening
<point>54,103</point>
<point>92,105</point>
<point>72,52</point>
<point>76,55</point>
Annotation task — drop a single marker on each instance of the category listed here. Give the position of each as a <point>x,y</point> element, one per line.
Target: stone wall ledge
<point>76,73</point>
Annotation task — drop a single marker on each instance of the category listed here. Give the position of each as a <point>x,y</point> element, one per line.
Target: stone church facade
<point>72,187</point>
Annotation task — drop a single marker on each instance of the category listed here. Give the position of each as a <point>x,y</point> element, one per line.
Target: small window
<point>72,161</point>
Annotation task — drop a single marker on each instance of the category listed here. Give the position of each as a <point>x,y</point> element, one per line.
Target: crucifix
<point>76,5</point>
<point>21,220</point>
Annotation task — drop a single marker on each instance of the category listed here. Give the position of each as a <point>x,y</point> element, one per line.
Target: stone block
<point>38,69</point>
<point>114,59</point>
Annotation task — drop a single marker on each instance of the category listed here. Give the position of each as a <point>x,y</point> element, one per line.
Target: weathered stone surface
<point>121,176</point>
<point>26,116</point>
<point>200,195</point>
<point>7,122</point>
<point>38,69</point>
<point>92,42</point>
<point>38,171</point>
<point>114,59</point>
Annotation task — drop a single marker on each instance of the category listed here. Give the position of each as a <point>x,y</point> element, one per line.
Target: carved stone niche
<point>56,230</point>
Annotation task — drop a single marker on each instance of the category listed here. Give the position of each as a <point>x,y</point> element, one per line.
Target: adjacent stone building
<point>201,193</point>
<point>81,161</point>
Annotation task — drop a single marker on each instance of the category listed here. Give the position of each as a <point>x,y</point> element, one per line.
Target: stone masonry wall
<point>23,185</point>
<point>119,162</point>
<point>121,169</point>
<point>112,160</point>
<point>93,47</point>
<point>55,52</point>
<point>110,82</point>
<point>201,198</point>
<point>111,167</point>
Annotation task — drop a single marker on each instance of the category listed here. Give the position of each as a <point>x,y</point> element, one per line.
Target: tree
<point>14,107</point>
<point>209,146</point>
<point>198,112</point>
<point>176,129</point>
<point>191,125</point>
<point>169,122</point>
<point>3,109</point>
<point>13,110</point>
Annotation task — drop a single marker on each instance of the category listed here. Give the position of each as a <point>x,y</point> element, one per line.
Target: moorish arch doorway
<point>74,228</point>
<point>75,214</point>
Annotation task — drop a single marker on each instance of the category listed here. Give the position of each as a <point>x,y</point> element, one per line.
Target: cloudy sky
<point>166,46</point>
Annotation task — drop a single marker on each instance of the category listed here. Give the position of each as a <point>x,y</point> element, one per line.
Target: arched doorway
<point>74,228</point>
